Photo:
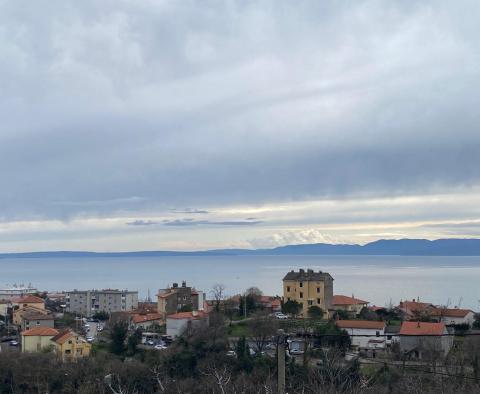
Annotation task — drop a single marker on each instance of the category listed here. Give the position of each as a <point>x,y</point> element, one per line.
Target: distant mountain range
<point>383,247</point>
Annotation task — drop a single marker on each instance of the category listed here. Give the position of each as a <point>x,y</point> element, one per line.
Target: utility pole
<point>245,305</point>
<point>281,362</point>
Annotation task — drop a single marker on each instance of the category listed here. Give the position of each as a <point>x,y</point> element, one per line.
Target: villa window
<point>301,295</point>
<point>310,302</point>
<point>301,284</point>
<point>318,289</point>
<point>288,288</point>
<point>318,301</point>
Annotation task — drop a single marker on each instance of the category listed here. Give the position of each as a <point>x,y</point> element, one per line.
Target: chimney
<point>175,285</point>
<point>302,271</point>
<point>310,271</point>
<point>184,283</point>
<point>418,324</point>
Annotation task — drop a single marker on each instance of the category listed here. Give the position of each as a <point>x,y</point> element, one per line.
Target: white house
<point>364,334</point>
<point>179,322</point>
<point>454,316</point>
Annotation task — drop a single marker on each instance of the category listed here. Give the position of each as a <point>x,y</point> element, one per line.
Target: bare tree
<point>262,328</point>
<point>218,294</point>
<point>221,376</point>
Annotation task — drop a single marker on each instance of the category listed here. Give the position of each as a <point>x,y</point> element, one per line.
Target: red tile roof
<point>414,306</point>
<point>40,331</point>
<point>144,317</point>
<point>421,328</point>
<point>188,315</point>
<point>63,336</point>
<point>454,312</point>
<point>30,299</point>
<point>365,324</point>
<point>345,300</point>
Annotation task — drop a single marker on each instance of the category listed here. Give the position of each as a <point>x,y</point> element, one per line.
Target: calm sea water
<point>378,279</point>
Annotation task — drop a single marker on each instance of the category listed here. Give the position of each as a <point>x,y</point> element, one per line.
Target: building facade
<point>175,298</point>
<point>37,339</point>
<point>309,288</point>
<point>178,323</point>
<point>421,340</point>
<point>69,345</point>
<point>88,302</point>
<point>364,334</point>
<point>351,305</point>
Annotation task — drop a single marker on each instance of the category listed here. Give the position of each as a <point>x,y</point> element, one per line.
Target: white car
<point>150,342</point>
<point>281,316</point>
<point>89,339</point>
<point>160,347</point>
<point>231,353</point>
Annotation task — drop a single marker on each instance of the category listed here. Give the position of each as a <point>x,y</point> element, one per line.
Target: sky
<point>191,125</point>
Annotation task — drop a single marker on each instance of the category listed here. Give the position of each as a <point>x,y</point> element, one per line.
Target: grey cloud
<point>190,210</point>
<point>142,223</point>
<point>191,222</point>
<point>233,104</point>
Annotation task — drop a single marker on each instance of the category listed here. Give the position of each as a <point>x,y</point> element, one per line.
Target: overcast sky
<point>145,125</point>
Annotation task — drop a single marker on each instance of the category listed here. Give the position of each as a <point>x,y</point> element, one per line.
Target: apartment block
<point>88,302</point>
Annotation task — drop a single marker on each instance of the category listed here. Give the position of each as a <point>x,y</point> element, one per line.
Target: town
<point>308,326</point>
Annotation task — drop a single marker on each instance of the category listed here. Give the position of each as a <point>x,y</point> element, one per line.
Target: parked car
<point>89,339</point>
<point>14,343</point>
<point>160,347</point>
<point>150,342</point>
<point>281,316</point>
<point>231,353</point>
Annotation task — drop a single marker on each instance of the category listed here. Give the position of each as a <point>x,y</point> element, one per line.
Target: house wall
<point>27,324</point>
<point>74,347</point>
<point>468,319</point>
<point>86,303</point>
<point>425,345</point>
<point>309,293</point>
<point>363,342</point>
<point>176,327</point>
<point>35,343</point>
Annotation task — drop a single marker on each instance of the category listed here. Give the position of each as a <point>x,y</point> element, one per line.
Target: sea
<point>381,280</point>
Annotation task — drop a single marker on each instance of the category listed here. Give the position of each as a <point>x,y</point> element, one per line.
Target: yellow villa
<point>69,345</point>
<point>309,288</point>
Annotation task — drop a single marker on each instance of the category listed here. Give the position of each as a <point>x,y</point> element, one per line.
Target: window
<point>288,298</point>
<point>318,301</point>
<point>318,289</point>
<point>288,288</point>
<point>38,323</point>
<point>68,351</point>
<point>310,302</point>
<point>301,284</point>
<point>301,295</point>
<point>69,342</point>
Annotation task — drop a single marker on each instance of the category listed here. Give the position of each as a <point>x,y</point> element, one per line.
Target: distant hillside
<point>402,247</point>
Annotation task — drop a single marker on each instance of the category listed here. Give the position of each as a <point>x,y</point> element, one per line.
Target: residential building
<point>269,303</point>
<point>69,345</point>
<point>350,304</point>
<point>5,305</point>
<point>88,302</point>
<point>309,288</point>
<point>175,298</point>
<point>177,323</point>
<point>37,338</point>
<point>415,310</point>
<point>146,320</point>
<point>422,340</point>
<point>7,293</point>
<point>392,335</point>
<point>364,334</point>
<point>30,317</point>
<point>452,316</point>
<point>28,300</point>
